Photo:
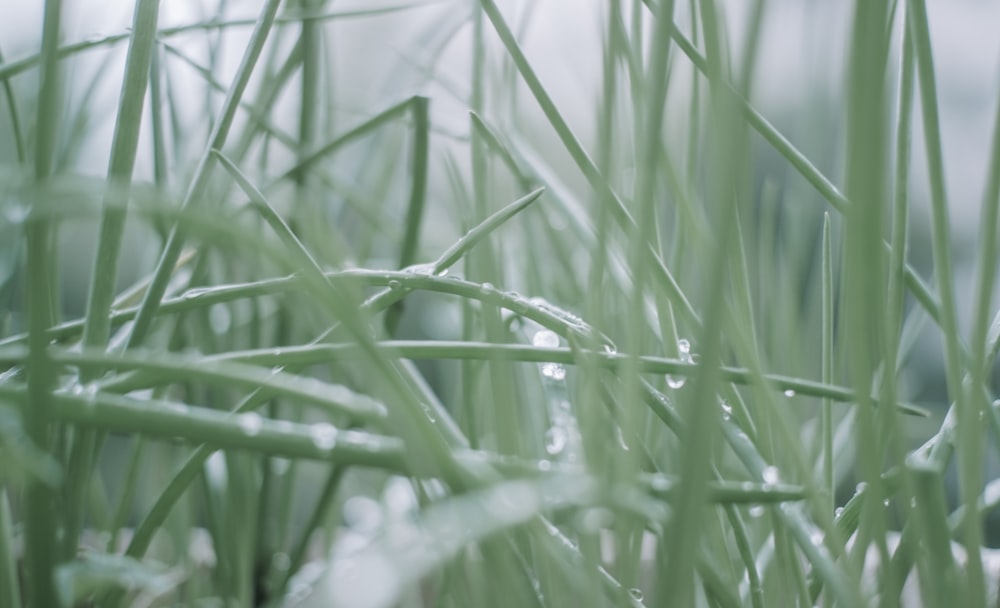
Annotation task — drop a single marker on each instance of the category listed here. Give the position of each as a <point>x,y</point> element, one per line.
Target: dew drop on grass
<point>554,371</point>
<point>789,393</point>
<point>486,289</point>
<point>544,465</point>
<point>250,423</point>
<point>636,594</point>
<point>756,511</point>
<point>816,537</point>
<point>684,354</point>
<point>770,475</point>
<point>545,338</point>
<point>675,382</point>
<point>555,440</point>
<point>395,285</point>
<point>323,435</point>
<point>197,292</point>
<point>838,511</point>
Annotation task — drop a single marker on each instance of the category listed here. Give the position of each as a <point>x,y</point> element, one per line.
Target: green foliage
<point>379,361</point>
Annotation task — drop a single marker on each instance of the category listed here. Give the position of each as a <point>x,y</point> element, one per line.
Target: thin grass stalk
<point>409,248</point>
<point>15,121</point>
<point>10,583</point>
<point>894,578</point>
<point>104,274</point>
<point>175,241</point>
<point>702,420</point>
<point>41,520</point>
<point>969,427</point>
<point>665,278</point>
<point>977,396</point>
<point>827,363</point>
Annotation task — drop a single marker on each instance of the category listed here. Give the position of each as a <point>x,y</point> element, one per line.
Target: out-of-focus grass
<point>634,377</point>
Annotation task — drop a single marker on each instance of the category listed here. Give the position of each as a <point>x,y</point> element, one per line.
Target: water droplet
<point>861,487</point>
<point>684,354</point>
<point>195,293</point>
<point>250,423</point>
<point>486,289</point>
<point>545,338</point>
<point>789,393</point>
<point>756,511</point>
<point>219,318</point>
<point>429,413</point>
<point>544,465</point>
<point>553,371</point>
<point>770,475</point>
<point>726,408</point>
<point>636,593</point>
<point>555,440</point>
<point>838,511</point>
<point>395,284</point>
<point>885,503</point>
<point>816,537</point>
<point>676,382</point>
<point>323,435</point>
<point>424,269</point>
<point>610,349</point>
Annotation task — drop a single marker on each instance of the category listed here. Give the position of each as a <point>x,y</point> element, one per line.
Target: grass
<point>372,359</point>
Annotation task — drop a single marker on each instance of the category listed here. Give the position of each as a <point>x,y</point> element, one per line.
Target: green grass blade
<point>969,450</point>
<point>41,519</point>
<point>175,241</point>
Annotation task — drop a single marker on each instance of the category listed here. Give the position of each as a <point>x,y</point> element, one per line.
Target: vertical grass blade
<point>175,241</point>
<point>969,427</point>
<point>41,518</point>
